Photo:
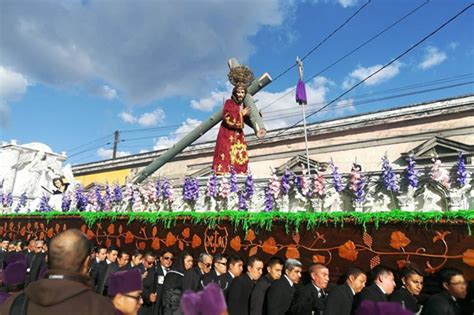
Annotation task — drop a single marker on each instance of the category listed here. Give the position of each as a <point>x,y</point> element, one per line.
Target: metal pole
<point>305,138</point>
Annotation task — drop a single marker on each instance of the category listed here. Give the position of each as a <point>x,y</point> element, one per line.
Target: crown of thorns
<point>240,76</point>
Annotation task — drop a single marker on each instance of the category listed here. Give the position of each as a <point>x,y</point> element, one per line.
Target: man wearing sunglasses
<point>219,263</point>
<point>192,277</point>
<point>454,289</point>
<point>153,283</point>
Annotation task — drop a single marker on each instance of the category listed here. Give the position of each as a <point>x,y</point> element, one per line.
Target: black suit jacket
<point>224,282</point>
<point>405,298</point>
<point>339,301</point>
<point>192,278</point>
<point>153,283</point>
<point>306,301</point>
<point>104,271</point>
<point>441,304</point>
<point>279,297</point>
<point>208,278</point>
<point>37,263</point>
<point>371,293</point>
<point>257,298</point>
<point>238,298</point>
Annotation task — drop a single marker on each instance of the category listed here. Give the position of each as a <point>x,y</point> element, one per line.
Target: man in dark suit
<point>136,261</point>
<point>311,298</point>
<point>382,286</point>
<point>192,277</point>
<point>219,263</point>
<point>38,261</point>
<point>257,298</point>
<point>454,288</point>
<point>238,300</point>
<point>105,268</point>
<point>123,259</point>
<point>235,266</point>
<point>100,253</point>
<point>153,283</point>
<point>280,294</point>
<point>341,298</point>
<point>3,250</point>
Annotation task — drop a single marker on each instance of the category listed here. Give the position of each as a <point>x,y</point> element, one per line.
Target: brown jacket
<point>63,293</point>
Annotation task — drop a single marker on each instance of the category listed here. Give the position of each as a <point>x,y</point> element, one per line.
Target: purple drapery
<point>301,93</point>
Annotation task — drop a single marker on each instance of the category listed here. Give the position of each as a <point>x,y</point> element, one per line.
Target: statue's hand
<point>245,111</point>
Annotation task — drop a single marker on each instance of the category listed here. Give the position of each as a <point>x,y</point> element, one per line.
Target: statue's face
<point>240,94</point>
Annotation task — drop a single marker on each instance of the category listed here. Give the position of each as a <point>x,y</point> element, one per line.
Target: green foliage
<point>265,220</point>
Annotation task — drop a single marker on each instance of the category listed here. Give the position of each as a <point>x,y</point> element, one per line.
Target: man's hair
<point>378,271</point>
<point>138,252</point>
<point>251,261</point>
<point>68,251</point>
<point>446,274</point>
<point>202,256</point>
<point>162,253</point>
<point>291,264</point>
<point>275,261</point>
<point>316,266</point>
<point>233,259</point>
<point>99,247</point>
<point>39,241</point>
<point>111,249</point>
<point>353,271</point>
<point>123,252</point>
<point>149,254</point>
<point>217,258</point>
<point>411,269</point>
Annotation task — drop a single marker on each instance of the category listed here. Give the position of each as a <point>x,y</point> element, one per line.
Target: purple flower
<point>389,179</point>
<point>233,180</point>
<point>65,203</point>
<point>81,198</point>
<point>9,200</point>
<point>21,202</point>
<point>412,173</point>
<point>268,199</point>
<point>2,199</point>
<point>462,172</point>
<point>99,201</point>
<point>249,189</point>
<point>242,202</point>
<point>286,182</point>
<point>212,186</point>
<point>336,178</point>
<point>44,205</point>
<point>117,194</point>
<point>360,193</point>
<point>166,190</point>
<point>157,190</point>
<point>190,189</point>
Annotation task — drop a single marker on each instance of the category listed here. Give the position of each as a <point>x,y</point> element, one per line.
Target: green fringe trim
<point>265,220</point>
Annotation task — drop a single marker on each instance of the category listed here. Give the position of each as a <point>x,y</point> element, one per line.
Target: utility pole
<point>116,138</point>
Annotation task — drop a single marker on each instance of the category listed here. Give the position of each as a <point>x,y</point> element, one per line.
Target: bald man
<point>66,289</point>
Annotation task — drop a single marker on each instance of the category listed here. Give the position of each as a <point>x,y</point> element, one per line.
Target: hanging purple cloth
<point>301,93</point>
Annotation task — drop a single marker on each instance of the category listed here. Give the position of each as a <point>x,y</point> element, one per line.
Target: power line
<point>352,51</point>
<point>88,143</point>
<point>377,71</point>
<point>295,112</point>
<point>323,41</point>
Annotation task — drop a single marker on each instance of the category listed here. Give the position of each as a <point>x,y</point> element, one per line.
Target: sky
<point>73,72</point>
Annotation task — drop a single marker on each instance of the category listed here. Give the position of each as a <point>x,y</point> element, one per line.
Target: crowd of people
<point>68,276</point>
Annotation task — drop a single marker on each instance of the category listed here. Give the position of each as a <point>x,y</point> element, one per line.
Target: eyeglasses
<point>137,298</point>
<point>207,265</point>
<point>221,263</point>
<point>167,258</point>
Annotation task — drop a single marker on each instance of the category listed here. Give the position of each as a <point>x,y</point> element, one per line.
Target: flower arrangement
<point>249,187</point>
<point>285,182</point>
<point>233,181</point>
<point>440,174</point>
<point>190,190</point>
<point>412,173</point>
<point>336,177</point>
<point>44,204</point>
<point>21,202</point>
<point>357,182</point>
<point>319,184</point>
<point>212,186</point>
<point>224,188</point>
<point>389,178</point>
<point>463,175</point>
